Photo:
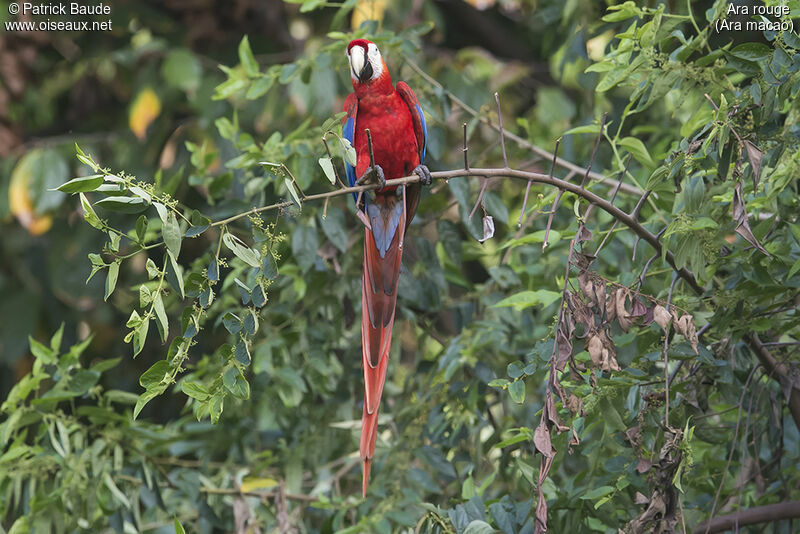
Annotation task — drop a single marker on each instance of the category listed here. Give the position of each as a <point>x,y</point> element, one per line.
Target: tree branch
<point>751,516</point>
<point>536,177</point>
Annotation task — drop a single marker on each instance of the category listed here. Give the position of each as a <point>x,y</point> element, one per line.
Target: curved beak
<point>360,67</point>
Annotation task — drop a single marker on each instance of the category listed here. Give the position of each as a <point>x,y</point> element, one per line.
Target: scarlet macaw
<point>399,135</point>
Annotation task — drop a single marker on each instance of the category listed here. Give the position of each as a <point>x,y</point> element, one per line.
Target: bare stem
<point>465,149</point>
<point>625,188</point>
<point>502,133</point>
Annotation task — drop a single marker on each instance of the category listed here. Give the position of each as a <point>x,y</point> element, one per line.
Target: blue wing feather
<point>424,134</point>
<point>348,132</point>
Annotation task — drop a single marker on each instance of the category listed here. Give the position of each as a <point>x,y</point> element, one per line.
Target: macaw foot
<point>373,173</point>
<point>424,174</point>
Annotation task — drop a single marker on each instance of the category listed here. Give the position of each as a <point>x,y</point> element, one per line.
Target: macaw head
<point>366,64</point>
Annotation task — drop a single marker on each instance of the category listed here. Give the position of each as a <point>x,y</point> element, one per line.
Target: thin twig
<point>502,133</point>
<point>465,150</point>
<point>733,448</point>
<point>558,195</point>
<point>666,354</point>
<point>594,151</point>
<point>369,144</point>
<point>480,197</point>
<point>519,140</point>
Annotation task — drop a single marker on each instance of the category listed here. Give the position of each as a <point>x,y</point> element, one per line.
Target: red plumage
<point>397,133</point>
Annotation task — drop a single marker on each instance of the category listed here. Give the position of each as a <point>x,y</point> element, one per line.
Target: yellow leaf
<point>368,10</point>
<point>29,197</point>
<point>481,5</point>
<point>146,107</point>
<point>252,484</point>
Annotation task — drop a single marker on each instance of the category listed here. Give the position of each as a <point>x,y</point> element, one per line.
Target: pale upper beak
<point>358,60</point>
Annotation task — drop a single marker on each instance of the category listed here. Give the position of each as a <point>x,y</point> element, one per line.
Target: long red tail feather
<point>378,301</point>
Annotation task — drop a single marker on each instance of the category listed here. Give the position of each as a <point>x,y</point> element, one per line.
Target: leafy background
<point>237,345</point>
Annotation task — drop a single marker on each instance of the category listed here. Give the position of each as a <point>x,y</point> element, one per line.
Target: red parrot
<point>397,127</point>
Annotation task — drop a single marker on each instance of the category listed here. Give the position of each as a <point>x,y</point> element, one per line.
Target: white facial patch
<point>374,57</point>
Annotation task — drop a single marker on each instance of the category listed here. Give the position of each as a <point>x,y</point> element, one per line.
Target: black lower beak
<point>366,73</point>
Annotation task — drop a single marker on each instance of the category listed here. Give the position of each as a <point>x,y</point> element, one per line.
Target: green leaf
<point>181,69</point>
<point>260,87</point>
<point>89,214</point>
<point>179,527</point>
<point>752,51</point>
<point>104,365</point>
<point>140,336</point>
<point>178,272</point>
<point>236,384</point>
<point>327,168</point>
<point>269,266</point>
<point>195,390</point>
<point>622,12</point>
<point>240,250</point>
<point>158,373</point>
<point>111,279</point>
<point>334,228</point>
<point>292,191</point>
<point>637,149</point>
<point>515,369</point>
<point>41,352</point>
<point>517,391</point>
<point>349,151</point>
<point>146,397</point>
<point>232,323</point>
<point>479,527</point>
<point>161,316</point>
<point>534,237</point>
<point>246,57</point>
<point>212,271</point>
<point>304,246</point>
<point>122,204</point>
<point>171,231</point>
<point>250,322</point>
<point>241,352</point>
<point>526,299</point>
<point>109,482</point>
<point>794,269</point>
<point>141,227</point>
<point>596,493</point>
<point>55,341</point>
<point>82,184</point>
<point>589,128</point>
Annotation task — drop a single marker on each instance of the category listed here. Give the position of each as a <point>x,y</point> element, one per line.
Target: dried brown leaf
<point>755,155</point>
<point>640,499</point>
<point>574,404</point>
<point>662,317</point>
<point>541,439</point>
<point>623,317</point>
<point>611,305</point>
<point>595,348</point>
<point>740,218</point>
<point>644,465</point>
<point>488,228</point>
<point>637,309</point>
<point>690,331</point>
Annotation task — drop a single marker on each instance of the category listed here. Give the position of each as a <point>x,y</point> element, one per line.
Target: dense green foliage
<point>244,323</point>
